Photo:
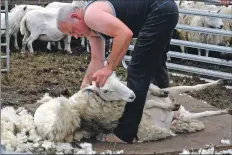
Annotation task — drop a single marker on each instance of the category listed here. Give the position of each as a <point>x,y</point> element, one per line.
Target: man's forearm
<point>92,68</point>
<point>119,49</point>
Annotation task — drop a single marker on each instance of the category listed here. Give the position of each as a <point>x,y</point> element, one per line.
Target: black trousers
<point>148,64</point>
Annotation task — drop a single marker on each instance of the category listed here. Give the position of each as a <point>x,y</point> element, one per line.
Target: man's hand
<point>84,82</point>
<point>101,76</point>
<point>225,2</point>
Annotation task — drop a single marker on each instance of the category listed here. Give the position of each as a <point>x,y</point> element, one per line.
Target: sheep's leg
<point>183,89</point>
<point>59,46</point>
<point>16,40</point>
<point>187,122</point>
<point>67,42</point>
<point>207,53</point>
<point>83,41</point>
<point>49,46</point>
<point>186,115</point>
<point>24,43</point>
<point>183,49</point>
<point>152,103</point>
<point>87,46</point>
<point>156,91</point>
<point>199,52</point>
<point>30,40</point>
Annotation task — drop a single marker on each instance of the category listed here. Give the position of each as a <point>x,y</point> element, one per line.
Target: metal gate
<point>5,49</point>
<point>196,58</point>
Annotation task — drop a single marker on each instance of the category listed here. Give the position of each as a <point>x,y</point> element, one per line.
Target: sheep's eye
<point>105,91</point>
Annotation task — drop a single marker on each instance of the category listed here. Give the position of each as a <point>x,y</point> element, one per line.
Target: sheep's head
<point>113,90</point>
<point>214,22</point>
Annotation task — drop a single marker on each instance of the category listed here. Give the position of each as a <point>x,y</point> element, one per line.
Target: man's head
<point>70,21</point>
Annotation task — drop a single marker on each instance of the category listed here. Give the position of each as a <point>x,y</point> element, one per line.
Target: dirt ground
<point>60,73</point>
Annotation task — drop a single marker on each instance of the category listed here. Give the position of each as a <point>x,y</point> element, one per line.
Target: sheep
<point>199,21</point>
<point>227,40</point>
<point>208,22</point>
<point>63,128</point>
<point>157,121</point>
<point>100,108</point>
<point>15,16</point>
<point>45,29</point>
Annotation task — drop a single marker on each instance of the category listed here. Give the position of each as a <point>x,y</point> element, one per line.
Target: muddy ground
<point>59,73</point>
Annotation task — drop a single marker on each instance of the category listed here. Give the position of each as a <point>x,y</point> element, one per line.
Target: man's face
<point>77,28</point>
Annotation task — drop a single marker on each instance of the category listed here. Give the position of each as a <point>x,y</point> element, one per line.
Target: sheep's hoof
<point>222,82</point>
<point>75,144</point>
<point>161,93</point>
<point>176,107</point>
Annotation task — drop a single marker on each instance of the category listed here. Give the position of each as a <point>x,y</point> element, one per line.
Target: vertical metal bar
<point>0,78</point>
<point>7,37</point>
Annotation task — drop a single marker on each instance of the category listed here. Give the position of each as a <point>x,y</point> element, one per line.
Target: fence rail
<point>5,57</point>
<point>196,58</point>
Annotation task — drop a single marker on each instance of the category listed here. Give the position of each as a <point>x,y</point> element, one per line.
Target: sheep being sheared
<point>100,108</point>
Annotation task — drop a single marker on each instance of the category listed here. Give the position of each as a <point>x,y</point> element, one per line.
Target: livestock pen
<point>59,73</point>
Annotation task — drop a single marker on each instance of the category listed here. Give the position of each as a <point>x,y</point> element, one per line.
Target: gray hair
<point>64,14</point>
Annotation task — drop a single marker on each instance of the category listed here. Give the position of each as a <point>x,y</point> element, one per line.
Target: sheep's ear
<point>91,88</point>
<point>24,8</point>
<point>16,5</point>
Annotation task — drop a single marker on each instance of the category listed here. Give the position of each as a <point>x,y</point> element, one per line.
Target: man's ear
<point>75,15</point>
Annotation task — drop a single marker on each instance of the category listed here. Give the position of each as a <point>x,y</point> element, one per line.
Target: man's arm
<point>97,58</point>
<point>106,23</point>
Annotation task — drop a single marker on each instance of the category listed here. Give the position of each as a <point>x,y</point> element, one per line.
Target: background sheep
<point>15,16</point>
<point>227,40</point>
<point>200,21</point>
<point>45,29</point>
<point>208,22</point>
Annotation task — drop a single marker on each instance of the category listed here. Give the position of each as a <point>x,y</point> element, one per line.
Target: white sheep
<point>207,22</point>
<point>44,29</point>
<point>200,21</point>
<point>100,108</point>
<point>14,17</point>
<point>227,40</point>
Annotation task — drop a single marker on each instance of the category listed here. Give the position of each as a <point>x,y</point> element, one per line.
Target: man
<point>151,22</point>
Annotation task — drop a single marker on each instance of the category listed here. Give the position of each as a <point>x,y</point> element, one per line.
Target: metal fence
<point>210,60</point>
<point>5,50</point>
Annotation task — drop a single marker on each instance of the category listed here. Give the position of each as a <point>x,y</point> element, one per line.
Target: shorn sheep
<point>15,16</point>
<point>44,29</point>
<point>97,111</point>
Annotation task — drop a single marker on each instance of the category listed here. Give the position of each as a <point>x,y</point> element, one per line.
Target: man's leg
<point>161,77</point>
<point>151,43</point>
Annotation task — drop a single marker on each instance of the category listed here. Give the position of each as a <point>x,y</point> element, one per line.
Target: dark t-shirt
<point>131,12</point>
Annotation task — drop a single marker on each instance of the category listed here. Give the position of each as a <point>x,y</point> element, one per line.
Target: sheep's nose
<point>132,97</point>
<point>221,26</point>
